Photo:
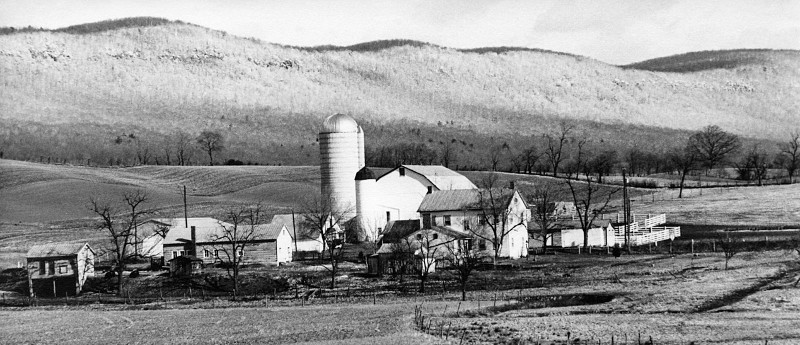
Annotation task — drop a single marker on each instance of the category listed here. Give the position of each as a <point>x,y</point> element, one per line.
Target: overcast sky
<point>616,32</point>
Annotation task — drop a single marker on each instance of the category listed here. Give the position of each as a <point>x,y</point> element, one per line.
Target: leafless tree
<point>530,156</point>
<point>239,230</point>
<point>753,165</point>
<point>143,153</point>
<point>580,163</point>
<point>789,157</point>
<point>590,201</point>
<point>603,164</point>
<point>495,218</point>
<point>495,156</point>
<point>555,145</point>
<point>713,146</point>
<point>119,225</point>
<point>543,198</point>
<point>211,142</point>
<point>321,216</point>
<point>730,247</point>
<point>685,160</point>
<point>464,260</point>
<point>423,250</point>
<point>447,154</point>
<point>183,148</point>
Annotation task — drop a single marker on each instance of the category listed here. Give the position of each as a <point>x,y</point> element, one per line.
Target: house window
<point>182,253</point>
<point>402,171</point>
<point>466,224</point>
<point>62,269</point>
<point>388,216</point>
<point>446,220</point>
<point>42,265</point>
<point>433,220</point>
<point>481,221</point>
<point>174,254</point>
<point>426,220</point>
<point>240,253</point>
<point>482,245</point>
<point>206,253</point>
<point>435,236</point>
<point>216,253</point>
<point>419,237</point>
<point>51,268</point>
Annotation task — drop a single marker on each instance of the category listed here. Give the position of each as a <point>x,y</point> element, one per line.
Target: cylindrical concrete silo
<point>339,162</point>
<point>365,205</point>
<point>361,154</point>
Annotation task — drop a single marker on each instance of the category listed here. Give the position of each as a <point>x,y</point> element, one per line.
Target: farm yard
<point>665,292</point>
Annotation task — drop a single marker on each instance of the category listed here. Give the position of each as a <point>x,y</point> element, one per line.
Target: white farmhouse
<point>468,211</point>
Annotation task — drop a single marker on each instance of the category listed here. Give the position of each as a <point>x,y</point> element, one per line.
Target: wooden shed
<point>59,269</point>
<point>184,266</point>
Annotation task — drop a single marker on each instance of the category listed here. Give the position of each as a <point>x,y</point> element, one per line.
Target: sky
<point>617,32</point>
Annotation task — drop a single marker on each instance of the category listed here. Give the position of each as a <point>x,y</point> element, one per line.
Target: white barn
<point>397,194</point>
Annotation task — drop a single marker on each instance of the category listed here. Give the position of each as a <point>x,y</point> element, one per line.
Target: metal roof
<point>55,249</point>
<point>440,176</point>
<point>460,199</point>
<point>339,123</point>
<point>399,229</point>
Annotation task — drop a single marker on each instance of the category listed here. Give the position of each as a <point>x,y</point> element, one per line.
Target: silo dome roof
<point>339,123</point>
<point>365,174</point>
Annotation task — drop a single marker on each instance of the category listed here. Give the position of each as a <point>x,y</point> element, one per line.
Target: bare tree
<point>730,247</point>
<point>789,157</point>
<point>321,216</point>
<point>495,218</point>
<point>238,231</point>
<point>143,153</point>
<point>119,225</point>
<point>423,249</point>
<point>463,260</point>
<point>603,164</point>
<point>685,160</point>
<point>530,157</point>
<point>555,145</point>
<point>753,166</point>
<point>447,155</point>
<point>713,146</point>
<point>183,148</point>
<point>580,163</point>
<point>590,201</point>
<point>211,142</point>
<point>495,156</point>
<point>543,198</point>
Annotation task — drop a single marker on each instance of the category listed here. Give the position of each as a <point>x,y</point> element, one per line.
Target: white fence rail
<point>651,235</point>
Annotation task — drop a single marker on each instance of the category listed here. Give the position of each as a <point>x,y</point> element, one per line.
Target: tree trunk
<point>120,269</point>
<point>463,289</point>
<point>422,279</point>
<point>585,239</point>
<point>683,178</point>
<point>210,158</point>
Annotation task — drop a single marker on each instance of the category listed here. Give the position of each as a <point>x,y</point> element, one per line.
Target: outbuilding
<point>59,269</point>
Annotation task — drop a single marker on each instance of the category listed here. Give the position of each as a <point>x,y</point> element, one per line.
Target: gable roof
<point>303,232</point>
<point>205,227</point>
<point>576,224</point>
<point>55,249</point>
<point>440,176</point>
<point>270,231</point>
<point>462,199</point>
<point>398,229</point>
<point>446,230</point>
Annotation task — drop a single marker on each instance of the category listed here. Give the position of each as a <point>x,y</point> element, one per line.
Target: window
<point>435,236</point>
<point>206,253</point>
<point>402,171</point>
<point>430,189</point>
<point>466,224</point>
<point>240,253</point>
<point>419,237</point>
<point>482,245</point>
<point>447,220</point>
<point>388,216</point>
<point>426,220</point>
<point>42,266</point>
<point>51,268</point>
<point>433,220</point>
<point>216,253</point>
<point>62,269</point>
<point>182,253</point>
<point>174,254</point>
<point>481,221</point>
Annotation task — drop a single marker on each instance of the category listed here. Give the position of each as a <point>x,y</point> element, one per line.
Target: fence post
<point>692,246</point>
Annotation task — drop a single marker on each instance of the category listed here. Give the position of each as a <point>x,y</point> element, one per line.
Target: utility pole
<point>185,210</point>
<point>294,230</point>
<point>626,211</point>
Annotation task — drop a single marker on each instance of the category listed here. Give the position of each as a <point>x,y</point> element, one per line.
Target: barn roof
<point>270,231</point>
<point>576,224</point>
<point>303,232</point>
<point>55,249</point>
<point>440,176</point>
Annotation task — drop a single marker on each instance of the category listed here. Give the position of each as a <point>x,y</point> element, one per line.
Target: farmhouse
<point>59,269</point>
<point>269,244</point>
<point>481,213</point>
<point>404,245</point>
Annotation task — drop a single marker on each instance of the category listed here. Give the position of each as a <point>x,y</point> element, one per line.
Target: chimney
<point>430,189</point>
<point>194,242</point>
<point>511,185</point>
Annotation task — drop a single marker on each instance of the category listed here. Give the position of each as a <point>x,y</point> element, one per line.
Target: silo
<point>365,205</point>
<point>339,162</point>
<point>361,157</point>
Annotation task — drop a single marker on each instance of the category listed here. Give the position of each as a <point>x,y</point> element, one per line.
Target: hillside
<point>68,94</point>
